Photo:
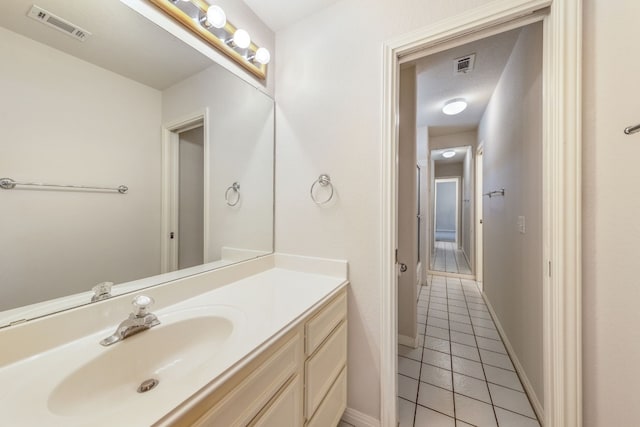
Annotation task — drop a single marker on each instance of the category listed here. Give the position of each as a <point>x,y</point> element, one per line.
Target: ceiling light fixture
<point>448,154</point>
<point>454,106</point>
<point>209,22</point>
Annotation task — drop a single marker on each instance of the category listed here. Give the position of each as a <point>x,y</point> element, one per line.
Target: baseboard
<point>408,341</point>
<point>358,419</point>
<point>528,388</point>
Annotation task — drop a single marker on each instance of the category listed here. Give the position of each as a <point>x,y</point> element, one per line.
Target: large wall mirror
<point>129,106</point>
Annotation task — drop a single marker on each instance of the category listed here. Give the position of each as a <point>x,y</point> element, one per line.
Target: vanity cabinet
<point>299,380</point>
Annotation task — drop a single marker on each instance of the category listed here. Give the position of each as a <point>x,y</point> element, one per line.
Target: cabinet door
<point>285,409</point>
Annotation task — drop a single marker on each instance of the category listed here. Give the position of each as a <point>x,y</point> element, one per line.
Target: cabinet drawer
<point>240,405</point>
<point>286,408</point>
<point>323,368</point>
<point>333,405</point>
<point>320,326</point>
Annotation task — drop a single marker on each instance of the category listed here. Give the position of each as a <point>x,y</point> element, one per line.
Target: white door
<point>479,216</point>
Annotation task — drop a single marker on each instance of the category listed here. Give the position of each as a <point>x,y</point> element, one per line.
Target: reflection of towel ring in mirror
<point>236,188</point>
<point>324,180</point>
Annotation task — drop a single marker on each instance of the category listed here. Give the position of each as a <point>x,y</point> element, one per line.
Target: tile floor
<point>460,374</point>
<point>450,259</point>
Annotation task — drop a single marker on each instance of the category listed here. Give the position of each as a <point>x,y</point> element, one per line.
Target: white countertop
<point>262,306</point>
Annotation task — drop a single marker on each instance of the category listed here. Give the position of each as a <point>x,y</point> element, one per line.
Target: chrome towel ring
<point>324,180</point>
<point>235,187</point>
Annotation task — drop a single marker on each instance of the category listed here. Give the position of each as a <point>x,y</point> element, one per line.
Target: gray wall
<point>191,195</point>
<point>511,130</point>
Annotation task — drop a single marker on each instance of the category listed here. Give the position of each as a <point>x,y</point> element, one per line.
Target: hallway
<point>460,374</point>
<point>450,259</point>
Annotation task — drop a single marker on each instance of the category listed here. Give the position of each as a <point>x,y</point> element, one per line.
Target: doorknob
<point>403,267</point>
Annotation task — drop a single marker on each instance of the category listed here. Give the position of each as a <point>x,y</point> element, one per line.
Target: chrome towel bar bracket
<point>494,193</point>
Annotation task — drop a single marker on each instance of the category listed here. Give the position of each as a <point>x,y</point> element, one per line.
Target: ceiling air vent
<point>47,18</point>
<point>464,65</point>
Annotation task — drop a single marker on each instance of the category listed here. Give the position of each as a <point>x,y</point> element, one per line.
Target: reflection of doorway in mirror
<point>190,235</point>
<point>446,210</point>
<point>185,189</point>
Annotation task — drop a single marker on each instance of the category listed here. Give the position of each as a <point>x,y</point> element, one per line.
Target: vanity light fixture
<point>454,106</point>
<point>448,154</point>
<point>209,22</point>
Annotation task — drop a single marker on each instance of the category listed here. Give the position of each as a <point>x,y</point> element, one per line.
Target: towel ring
<point>324,180</point>
<point>236,188</point>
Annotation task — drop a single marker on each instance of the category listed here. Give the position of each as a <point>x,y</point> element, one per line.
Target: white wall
<point>329,110</point>
<point>611,346</point>
<point>511,129</point>
<point>422,150</point>
<point>241,140</point>
<point>62,242</point>
<point>448,170</point>
<point>467,216</point>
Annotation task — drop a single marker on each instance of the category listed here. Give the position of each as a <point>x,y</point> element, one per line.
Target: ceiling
<point>436,83</point>
<point>122,41</point>
<point>278,14</point>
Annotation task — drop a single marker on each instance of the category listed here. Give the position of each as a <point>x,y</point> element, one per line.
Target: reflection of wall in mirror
<point>241,150</point>
<point>64,242</point>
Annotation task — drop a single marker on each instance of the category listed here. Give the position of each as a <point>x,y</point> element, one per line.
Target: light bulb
<point>454,106</point>
<point>448,154</point>
<point>263,56</point>
<point>216,17</point>
<point>241,39</point>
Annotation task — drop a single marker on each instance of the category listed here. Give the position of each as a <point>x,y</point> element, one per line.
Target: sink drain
<point>147,385</point>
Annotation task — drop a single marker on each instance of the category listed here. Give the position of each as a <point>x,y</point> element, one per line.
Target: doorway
<point>561,135</point>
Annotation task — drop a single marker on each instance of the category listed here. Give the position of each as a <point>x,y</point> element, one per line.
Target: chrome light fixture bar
<point>210,23</point>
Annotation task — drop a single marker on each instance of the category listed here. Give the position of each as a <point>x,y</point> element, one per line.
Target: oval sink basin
<point>168,353</point>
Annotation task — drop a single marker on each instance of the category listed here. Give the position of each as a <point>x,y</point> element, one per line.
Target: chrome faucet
<point>137,321</point>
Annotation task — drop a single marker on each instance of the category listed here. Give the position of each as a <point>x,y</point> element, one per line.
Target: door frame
<point>478,215</point>
<point>170,186</point>
<point>562,257</point>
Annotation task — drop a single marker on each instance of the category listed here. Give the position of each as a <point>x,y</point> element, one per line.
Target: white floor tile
<point>410,353</point>
<point>462,424</point>
<point>438,322</point>
<point>458,310</point>
<point>460,318</point>
<point>425,417</point>
<point>474,412</point>
<point>503,377</point>
<point>509,419</point>
<point>438,300</point>
<point>422,318</point>
<point>465,351</point>
<point>436,358</point>
<point>489,344</point>
<point>471,387</point>
<point>437,344</point>
<point>436,376</point>
<point>457,297</point>
<point>407,388</point>
<point>408,367</point>
<point>436,306</point>
<point>498,360</point>
<point>473,305</point>
<point>436,398</point>
<point>512,400</point>
<point>485,323</point>
<point>457,303</point>
<point>479,314</point>
<point>462,338</point>
<point>460,327</point>
<point>439,314</point>
<point>467,367</point>
<point>486,332</point>
<point>406,411</point>
<point>433,331</point>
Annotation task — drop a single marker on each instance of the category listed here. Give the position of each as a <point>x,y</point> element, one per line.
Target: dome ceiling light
<point>454,106</point>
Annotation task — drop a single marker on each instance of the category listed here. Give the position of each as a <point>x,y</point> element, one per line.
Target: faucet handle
<point>141,304</point>
<point>101,291</point>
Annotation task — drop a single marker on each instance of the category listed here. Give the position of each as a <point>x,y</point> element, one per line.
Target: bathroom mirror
<point>95,95</point>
